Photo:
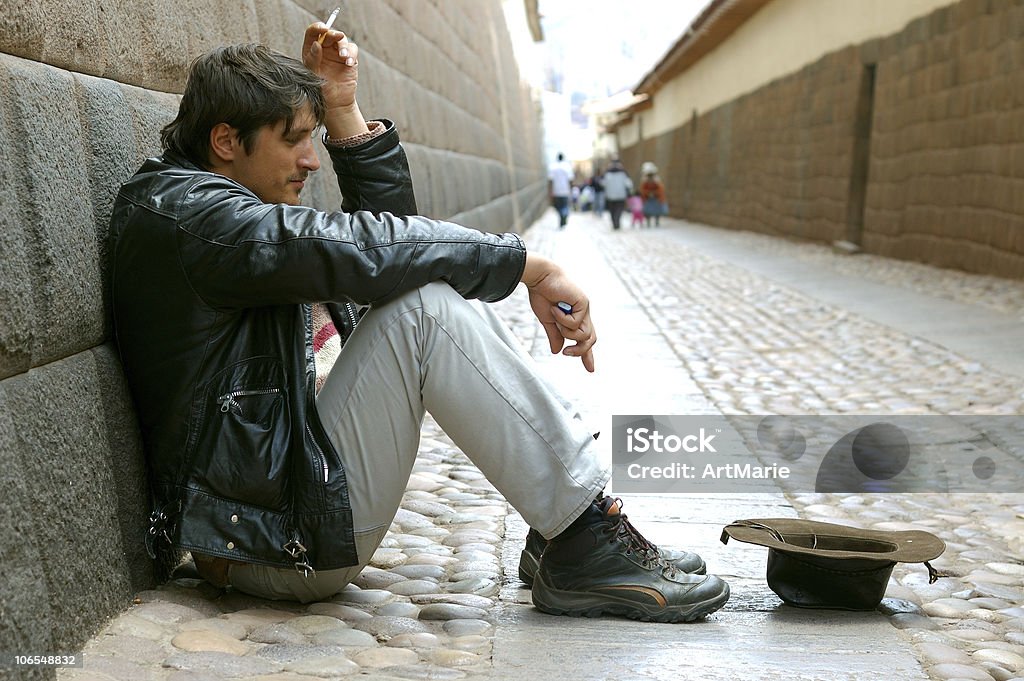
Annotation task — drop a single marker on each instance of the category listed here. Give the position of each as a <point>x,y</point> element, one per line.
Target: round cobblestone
<point>399,609</point>
<point>414,587</point>
<point>385,627</point>
<point>467,627</point>
<point>198,639</point>
<point>421,639</point>
<point>276,633</point>
<point>1004,658</point>
<point>339,611</point>
<point>451,611</point>
<point>379,658</point>
<point>345,638</point>
<point>421,571</point>
<point>320,667</point>
<point>471,600</point>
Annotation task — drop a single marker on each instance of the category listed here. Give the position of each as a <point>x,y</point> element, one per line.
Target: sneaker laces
<point>624,531</point>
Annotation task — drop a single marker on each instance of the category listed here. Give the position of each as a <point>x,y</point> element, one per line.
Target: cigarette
<point>330,22</point>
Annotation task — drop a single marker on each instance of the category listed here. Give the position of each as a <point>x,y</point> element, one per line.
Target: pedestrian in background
<point>652,191</point>
<point>597,185</point>
<point>560,177</point>
<point>617,186</point>
<point>586,197</point>
<point>635,205</point>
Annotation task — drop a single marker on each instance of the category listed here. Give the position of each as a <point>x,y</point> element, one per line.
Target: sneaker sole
<point>527,567</point>
<point>584,604</point>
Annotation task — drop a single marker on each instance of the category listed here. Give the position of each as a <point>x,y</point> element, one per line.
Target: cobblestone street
<point>755,346</point>
<point>683,330</point>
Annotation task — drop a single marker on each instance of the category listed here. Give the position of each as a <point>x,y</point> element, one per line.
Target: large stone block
<point>281,25</point>
<point>15,260</point>
<point>24,598</point>
<point>384,33</point>
<point>150,111</point>
<point>375,77</point>
<point>53,210</point>
<point>76,454</point>
<point>419,168</point>
<point>143,42</point>
<point>123,455</point>
<point>112,155</point>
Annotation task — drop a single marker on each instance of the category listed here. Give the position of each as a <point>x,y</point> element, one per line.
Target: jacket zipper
<point>350,312</point>
<point>227,401</point>
<point>321,459</point>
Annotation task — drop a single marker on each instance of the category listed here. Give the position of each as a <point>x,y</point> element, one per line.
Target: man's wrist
<point>344,122</point>
<point>536,269</point>
<point>374,129</point>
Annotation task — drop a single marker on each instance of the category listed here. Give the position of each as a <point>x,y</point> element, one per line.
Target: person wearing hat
<point>652,191</point>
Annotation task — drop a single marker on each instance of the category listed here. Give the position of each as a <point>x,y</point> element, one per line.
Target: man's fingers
<point>583,350</point>
<point>319,34</point>
<point>573,329</point>
<point>588,361</point>
<point>313,55</point>
<point>332,37</point>
<point>348,52</point>
<point>555,338</point>
<point>313,32</point>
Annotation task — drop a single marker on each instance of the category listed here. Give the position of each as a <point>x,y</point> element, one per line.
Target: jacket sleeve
<point>375,176</point>
<point>237,251</point>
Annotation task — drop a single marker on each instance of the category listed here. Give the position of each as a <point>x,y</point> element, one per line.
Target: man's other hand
<point>548,285</point>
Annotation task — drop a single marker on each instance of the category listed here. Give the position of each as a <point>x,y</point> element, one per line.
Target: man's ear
<point>224,144</point>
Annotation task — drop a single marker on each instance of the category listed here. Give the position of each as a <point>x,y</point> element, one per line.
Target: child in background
<point>635,205</point>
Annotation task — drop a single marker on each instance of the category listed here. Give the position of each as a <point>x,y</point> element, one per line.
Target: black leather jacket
<point>211,292</point>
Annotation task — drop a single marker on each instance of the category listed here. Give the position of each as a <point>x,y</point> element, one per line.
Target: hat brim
<point>828,540</point>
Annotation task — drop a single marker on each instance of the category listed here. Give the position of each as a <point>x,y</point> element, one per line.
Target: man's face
<point>277,166</point>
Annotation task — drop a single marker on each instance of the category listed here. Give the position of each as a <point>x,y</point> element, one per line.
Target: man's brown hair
<point>247,87</point>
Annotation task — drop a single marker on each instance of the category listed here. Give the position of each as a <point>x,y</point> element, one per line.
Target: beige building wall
<point>781,38</point>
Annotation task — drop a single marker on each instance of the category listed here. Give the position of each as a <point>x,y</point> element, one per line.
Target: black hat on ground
<point>822,565</point>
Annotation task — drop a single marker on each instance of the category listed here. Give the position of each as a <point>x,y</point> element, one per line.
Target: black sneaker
<point>608,567</point>
<point>529,559</point>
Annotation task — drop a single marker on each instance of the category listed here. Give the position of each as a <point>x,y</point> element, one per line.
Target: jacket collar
<point>172,158</point>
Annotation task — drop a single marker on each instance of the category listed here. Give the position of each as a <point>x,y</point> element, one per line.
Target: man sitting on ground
<point>283,491</point>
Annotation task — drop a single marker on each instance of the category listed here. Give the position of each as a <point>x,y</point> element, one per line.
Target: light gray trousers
<point>431,350</point>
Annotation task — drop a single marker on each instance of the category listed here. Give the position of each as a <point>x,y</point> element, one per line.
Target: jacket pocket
<point>245,434</point>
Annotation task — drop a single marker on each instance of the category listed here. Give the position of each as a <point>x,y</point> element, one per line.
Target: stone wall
<point>926,165</point>
<point>775,161</point>
<point>84,89</point>
<point>947,149</point>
